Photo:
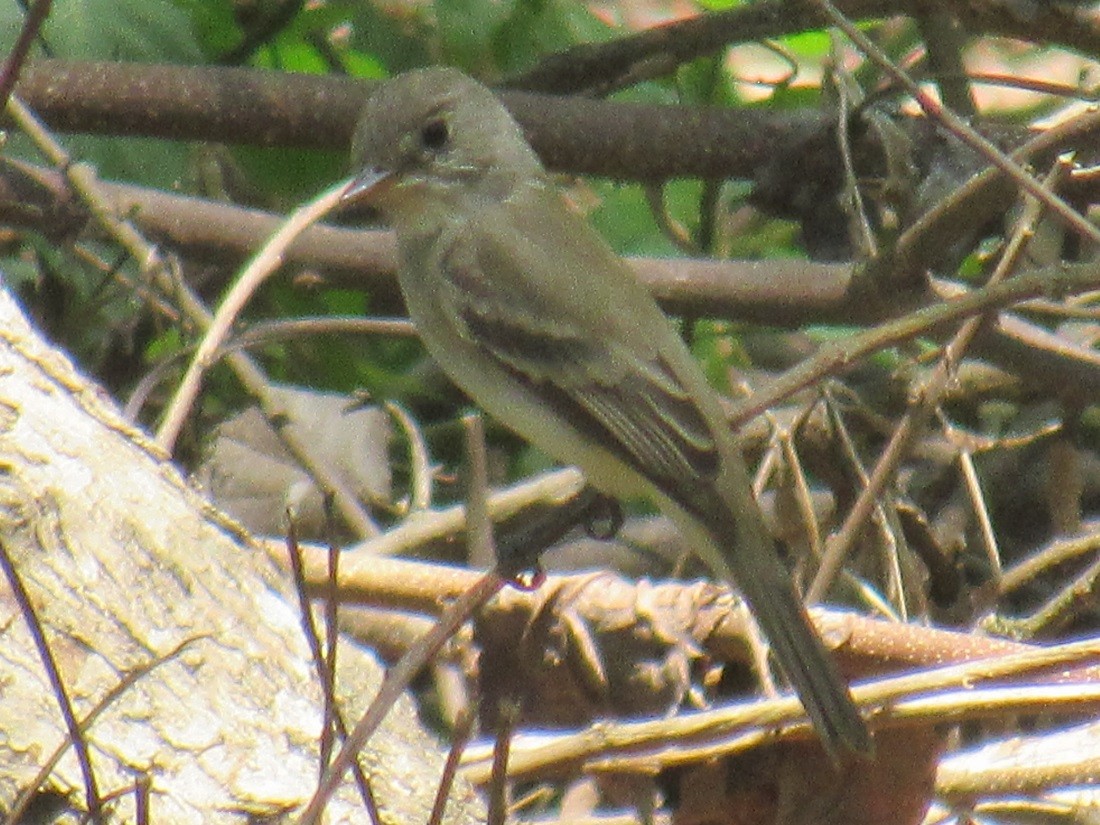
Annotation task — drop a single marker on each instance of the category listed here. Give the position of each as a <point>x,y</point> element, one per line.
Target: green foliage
<point>134,30</point>
<point>536,28</point>
<point>493,39</point>
<point>128,30</point>
<point>213,23</point>
<point>490,38</point>
<point>395,41</point>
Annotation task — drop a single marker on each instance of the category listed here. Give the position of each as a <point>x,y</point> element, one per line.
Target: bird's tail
<point>739,548</point>
<point>803,658</point>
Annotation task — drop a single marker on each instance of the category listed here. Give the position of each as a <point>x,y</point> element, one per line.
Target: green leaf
<point>465,29</point>
<point>540,27</point>
<point>214,24</point>
<point>136,30</point>
<point>396,38</point>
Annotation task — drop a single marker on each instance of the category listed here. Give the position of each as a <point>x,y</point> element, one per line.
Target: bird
<point>529,311</point>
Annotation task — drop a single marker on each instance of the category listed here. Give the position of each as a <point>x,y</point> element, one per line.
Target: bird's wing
<point>633,386</point>
<point>625,388</point>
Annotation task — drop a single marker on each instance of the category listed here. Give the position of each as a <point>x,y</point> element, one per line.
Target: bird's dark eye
<point>434,135</point>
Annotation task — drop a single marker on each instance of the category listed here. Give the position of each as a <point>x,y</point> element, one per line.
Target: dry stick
<point>1058,553</point>
<point>691,287</point>
<point>507,717</point>
<point>266,332</point>
<point>921,408</point>
<point>401,675</point>
<point>332,633</point>
<point>851,198</point>
<point>397,680</point>
<point>421,470</point>
<point>884,519</point>
<point>960,128</point>
<point>1057,610</point>
<point>693,284</point>
<point>659,49</point>
<point>23,801</point>
<point>553,487</point>
<point>259,269</point>
<point>18,54</point>
<point>981,513</point>
<point>956,706</point>
<point>1011,768</point>
<point>674,231</point>
<point>836,357</point>
<point>326,671</point>
<point>76,736</point>
<point>735,728</point>
<point>971,196</point>
<point>944,41</point>
<point>802,495</point>
<point>305,614</point>
<point>481,545</point>
<point>1051,88</point>
<point>851,453</point>
<point>82,180</point>
<point>959,705</point>
<point>460,738</point>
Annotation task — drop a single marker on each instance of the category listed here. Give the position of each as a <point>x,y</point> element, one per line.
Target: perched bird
<point>527,309</point>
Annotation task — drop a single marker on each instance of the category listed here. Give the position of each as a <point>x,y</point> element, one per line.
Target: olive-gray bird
<point>530,312</point>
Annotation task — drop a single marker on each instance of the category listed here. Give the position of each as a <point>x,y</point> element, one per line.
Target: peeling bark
<point>124,562</point>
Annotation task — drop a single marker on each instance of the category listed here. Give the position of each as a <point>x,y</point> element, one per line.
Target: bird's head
<point>435,131</point>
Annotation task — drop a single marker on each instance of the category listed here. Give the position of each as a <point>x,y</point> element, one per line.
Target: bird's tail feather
<point>805,662</point>
<point>741,550</point>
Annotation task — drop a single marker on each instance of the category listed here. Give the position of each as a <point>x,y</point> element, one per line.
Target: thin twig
<point>460,738</point>
<point>18,54</point>
<point>83,181</point>
<point>923,404</point>
<point>421,469</point>
<point>719,732</point>
<point>1054,613</point>
<point>326,673</point>
<point>23,801</point>
<point>507,716</point>
<point>53,674</point>
<point>981,512</point>
<point>397,680</point>
<point>259,269</point>
<point>332,634</point>
<point>1057,553</point>
<point>960,128</point>
<point>944,39</point>
<point>276,17</point>
<point>479,530</point>
<point>551,488</point>
<point>836,357</point>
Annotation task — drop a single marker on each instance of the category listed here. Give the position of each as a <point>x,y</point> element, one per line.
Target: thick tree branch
<point>780,292</point>
<point>589,65</point>
<point>628,141</point>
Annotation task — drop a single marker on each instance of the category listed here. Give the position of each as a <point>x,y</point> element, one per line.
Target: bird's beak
<point>367,185</point>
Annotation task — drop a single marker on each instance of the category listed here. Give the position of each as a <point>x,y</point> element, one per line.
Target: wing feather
<point>632,403</point>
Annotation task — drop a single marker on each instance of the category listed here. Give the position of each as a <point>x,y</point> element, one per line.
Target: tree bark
<point>124,562</point>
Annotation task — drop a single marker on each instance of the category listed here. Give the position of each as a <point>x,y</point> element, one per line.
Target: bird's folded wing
<point>623,393</point>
